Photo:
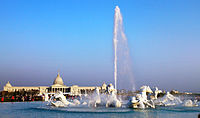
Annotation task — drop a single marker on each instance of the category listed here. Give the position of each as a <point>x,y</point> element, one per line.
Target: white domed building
<point>58,80</point>
<point>58,85</point>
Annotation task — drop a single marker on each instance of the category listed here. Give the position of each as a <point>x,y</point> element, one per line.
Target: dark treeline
<point>20,96</point>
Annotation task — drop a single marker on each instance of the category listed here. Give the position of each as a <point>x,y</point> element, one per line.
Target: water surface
<point>41,110</point>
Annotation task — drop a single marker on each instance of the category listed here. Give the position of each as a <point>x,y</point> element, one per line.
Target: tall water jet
<point>122,62</point>
<point>117,12</point>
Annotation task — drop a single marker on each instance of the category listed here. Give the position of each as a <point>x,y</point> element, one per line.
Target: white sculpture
<point>112,100</point>
<point>133,103</point>
<point>156,92</point>
<point>110,88</point>
<point>109,99</point>
<point>141,101</point>
<point>190,103</point>
<point>95,98</point>
<point>62,101</point>
<point>168,100</point>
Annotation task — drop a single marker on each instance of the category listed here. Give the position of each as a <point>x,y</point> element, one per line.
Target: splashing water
<point>122,63</point>
<point>107,99</point>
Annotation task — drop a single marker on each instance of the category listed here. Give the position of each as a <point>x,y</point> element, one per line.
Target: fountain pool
<point>40,110</point>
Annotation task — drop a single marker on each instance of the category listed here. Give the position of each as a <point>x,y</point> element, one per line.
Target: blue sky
<point>38,38</point>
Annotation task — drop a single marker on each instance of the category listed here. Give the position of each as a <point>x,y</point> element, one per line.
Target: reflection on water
<point>39,109</point>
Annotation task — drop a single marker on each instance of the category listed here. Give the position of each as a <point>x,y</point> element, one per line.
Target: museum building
<point>58,85</point>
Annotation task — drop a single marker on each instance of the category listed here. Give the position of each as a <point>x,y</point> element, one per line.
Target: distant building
<point>8,87</point>
<point>58,85</point>
<point>174,92</point>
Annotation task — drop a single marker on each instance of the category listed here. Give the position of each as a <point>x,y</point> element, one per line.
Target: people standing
<point>12,99</point>
<point>2,99</point>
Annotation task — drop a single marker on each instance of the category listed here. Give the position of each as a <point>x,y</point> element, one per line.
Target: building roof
<point>58,80</point>
<point>104,84</point>
<point>8,84</point>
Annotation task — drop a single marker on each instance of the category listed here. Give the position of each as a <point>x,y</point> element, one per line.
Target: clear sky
<point>40,37</point>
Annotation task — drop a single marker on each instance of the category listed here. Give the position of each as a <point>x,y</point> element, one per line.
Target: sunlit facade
<point>58,85</point>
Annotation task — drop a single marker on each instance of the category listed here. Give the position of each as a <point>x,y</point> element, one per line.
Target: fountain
<point>122,70</point>
<point>122,63</point>
<point>142,100</point>
<point>108,99</point>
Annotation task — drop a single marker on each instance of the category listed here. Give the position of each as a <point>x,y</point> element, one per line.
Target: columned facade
<point>58,85</point>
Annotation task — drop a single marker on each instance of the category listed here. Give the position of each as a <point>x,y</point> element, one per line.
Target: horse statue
<point>156,92</point>
<point>112,100</point>
<point>141,101</point>
<point>95,98</point>
<point>59,100</point>
<point>168,100</point>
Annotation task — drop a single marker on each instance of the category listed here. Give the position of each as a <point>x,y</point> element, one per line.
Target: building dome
<point>8,84</point>
<point>104,84</point>
<point>58,80</point>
